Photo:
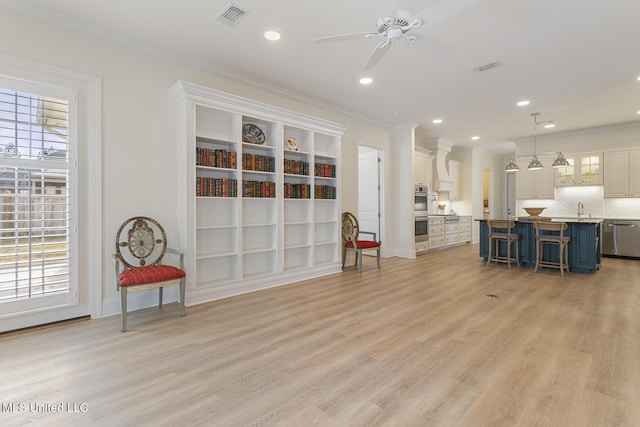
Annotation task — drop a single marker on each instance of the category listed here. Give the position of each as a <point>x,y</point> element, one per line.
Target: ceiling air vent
<point>232,14</point>
<point>487,67</point>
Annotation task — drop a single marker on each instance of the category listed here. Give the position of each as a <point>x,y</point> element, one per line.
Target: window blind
<point>34,196</point>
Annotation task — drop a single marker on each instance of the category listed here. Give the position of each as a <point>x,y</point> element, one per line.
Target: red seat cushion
<point>364,244</point>
<point>149,274</point>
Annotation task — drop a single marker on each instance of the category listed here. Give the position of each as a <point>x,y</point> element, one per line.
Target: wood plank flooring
<point>417,343</point>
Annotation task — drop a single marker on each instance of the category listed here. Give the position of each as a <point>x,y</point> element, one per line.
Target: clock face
<point>292,144</point>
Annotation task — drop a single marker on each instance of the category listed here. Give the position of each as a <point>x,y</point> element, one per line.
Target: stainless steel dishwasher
<point>621,237</point>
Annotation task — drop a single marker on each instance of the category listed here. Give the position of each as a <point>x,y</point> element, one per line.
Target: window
<point>35,183</point>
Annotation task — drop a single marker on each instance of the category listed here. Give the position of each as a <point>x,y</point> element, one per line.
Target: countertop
<point>583,220</point>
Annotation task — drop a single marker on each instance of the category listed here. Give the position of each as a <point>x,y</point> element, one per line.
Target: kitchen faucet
<point>580,209</point>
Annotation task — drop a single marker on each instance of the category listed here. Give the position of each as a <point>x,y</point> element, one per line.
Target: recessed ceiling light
<point>549,125</point>
<point>437,121</point>
<point>272,35</point>
<point>638,111</point>
<point>523,103</point>
<point>639,78</point>
<point>475,138</point>
<point>366,81</point>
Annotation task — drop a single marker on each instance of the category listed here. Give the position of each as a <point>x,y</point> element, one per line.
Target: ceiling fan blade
<point>443,10</point>
<point>386,8</point>
<point>376,55</point>
<point>342,37</point>
<point>431,45</point>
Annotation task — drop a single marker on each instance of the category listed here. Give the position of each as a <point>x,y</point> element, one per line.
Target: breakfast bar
<point>585,246</point>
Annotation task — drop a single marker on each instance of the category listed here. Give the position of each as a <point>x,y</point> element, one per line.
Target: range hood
<point>442,180</point>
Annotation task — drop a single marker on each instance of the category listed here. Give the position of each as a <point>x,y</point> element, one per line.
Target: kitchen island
<point>585,247</point>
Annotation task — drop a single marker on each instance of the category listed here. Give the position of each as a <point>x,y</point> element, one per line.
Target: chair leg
<point>509,254</point>
<point>344,256</point>
<point>538,248</point>
<point>378,258</point>
<point>517,253</point>
<point>359,260</point>
<point>489,257</point>
<point>123,304</point>
<point>561,256</point>
<point>160,296</point>
<point>183,286</point>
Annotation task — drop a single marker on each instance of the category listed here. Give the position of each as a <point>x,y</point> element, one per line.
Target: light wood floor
<point>417,343</point>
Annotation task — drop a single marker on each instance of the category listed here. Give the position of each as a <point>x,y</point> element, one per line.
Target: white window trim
<point>89,91</point>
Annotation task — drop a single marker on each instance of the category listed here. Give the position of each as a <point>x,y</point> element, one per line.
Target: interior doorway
<point>370,190</point>
<point>486,193</point>
<point>511,196</point>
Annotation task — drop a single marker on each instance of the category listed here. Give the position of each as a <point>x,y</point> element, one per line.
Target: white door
<point>39,240</point>
<point>369,190</point>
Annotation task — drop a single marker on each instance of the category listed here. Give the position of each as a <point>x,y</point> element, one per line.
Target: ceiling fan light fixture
<point>560,161</point>
<point>512,166</point>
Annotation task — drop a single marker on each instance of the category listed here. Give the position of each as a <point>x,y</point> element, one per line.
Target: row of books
<point>255,162</point>
<point>325,192</point>
<point>325,170</point>
<point>297,191</point>
<point>227,187</point>
<point>296,167</point>
<point>259,189</point>
<point>216,187</point>
<point>215,158</point>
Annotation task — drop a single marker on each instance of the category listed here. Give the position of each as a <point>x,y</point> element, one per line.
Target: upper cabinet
<point>583,169</point>
<point>622,173</point>
<point>422,168</point>
<point>536,184</point>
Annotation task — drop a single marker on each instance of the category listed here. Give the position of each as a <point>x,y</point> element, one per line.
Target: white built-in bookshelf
<point>255,211</point>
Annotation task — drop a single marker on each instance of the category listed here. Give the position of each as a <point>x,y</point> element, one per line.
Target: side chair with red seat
<point>141,244</point>
<point>351,242</point>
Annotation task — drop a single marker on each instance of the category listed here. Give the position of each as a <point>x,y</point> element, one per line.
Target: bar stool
<point>552,233</point>
<point>497,234</point>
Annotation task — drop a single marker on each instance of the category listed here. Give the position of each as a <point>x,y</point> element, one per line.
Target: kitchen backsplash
<point>592,197</point>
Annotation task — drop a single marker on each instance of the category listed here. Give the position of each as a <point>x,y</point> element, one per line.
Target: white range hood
<point>442,180</point>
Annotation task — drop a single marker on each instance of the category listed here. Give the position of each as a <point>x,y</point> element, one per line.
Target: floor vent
<point>232,14</point>
<point>487,67</point>
<point>492,296</point>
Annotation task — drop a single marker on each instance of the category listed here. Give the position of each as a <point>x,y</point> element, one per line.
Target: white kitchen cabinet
<point>583,169</point>
<point>622,173</point>
<point>436,232</point>
<point>537,184</point>
<point>458,232</point>
<point>257,210</point>
<point>422,168</point>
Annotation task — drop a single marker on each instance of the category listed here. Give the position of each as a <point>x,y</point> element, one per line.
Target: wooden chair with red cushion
<point>350,233</point>
<point>141,244</point>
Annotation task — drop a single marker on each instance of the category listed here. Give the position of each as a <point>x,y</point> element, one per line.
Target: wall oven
<point>421,201</point>
<point>422,228</point>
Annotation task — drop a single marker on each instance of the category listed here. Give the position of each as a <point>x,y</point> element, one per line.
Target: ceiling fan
<point>395,24</point>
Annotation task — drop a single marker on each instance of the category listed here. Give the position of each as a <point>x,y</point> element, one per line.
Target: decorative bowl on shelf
<point>534,212</point>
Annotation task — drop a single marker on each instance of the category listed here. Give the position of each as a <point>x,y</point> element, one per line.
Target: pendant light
<point>512,166</point>
<point>560,161</point>
<point>535,164</point>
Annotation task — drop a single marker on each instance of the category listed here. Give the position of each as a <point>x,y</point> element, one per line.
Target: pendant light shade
<point>560,161</point>
<point>535,164</point>
<point>512,166</point>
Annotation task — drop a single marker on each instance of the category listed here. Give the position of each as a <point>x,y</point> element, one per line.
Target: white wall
<point>139,127</point>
